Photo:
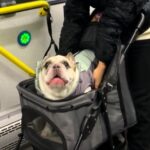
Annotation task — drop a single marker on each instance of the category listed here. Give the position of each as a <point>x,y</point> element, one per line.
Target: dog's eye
<point>66,64</point>
<point>47,64</point>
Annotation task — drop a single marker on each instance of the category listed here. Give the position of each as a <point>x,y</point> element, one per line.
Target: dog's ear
<point>71,58</point>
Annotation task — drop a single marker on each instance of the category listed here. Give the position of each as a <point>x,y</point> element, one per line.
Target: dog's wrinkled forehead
<point>58,59</point>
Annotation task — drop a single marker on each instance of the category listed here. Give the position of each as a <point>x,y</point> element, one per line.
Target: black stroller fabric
<point>83,122</point>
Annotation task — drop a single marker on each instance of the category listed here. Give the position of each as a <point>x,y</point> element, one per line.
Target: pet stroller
<point>85,121</point>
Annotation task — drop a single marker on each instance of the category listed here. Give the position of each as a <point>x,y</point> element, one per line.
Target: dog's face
<point>58,76</point>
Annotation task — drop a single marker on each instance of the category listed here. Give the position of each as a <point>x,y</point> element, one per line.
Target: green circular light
<point>24,38</point>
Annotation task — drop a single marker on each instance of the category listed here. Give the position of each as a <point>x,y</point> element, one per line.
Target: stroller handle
<point>134,35</point>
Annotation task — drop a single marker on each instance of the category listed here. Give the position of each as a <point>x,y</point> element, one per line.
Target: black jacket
<point>118,15</point>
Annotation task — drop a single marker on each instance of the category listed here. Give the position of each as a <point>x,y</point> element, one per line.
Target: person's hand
<point>98,74</point>
<point>96,17</point>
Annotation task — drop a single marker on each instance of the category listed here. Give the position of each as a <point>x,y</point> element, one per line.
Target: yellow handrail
<point>25,6</point>
<point>17,8</point>
<point>17,61</point>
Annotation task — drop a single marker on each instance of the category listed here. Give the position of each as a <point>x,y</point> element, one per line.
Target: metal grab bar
<point>17,61</point>
<point>26,6</point>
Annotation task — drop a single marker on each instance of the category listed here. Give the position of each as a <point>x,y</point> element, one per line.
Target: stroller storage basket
<point>57,125</point>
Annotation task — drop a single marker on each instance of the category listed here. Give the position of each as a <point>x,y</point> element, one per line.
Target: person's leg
<point>138,69</point>
<point>35,148</point>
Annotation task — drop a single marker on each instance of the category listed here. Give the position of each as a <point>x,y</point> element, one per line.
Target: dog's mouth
<point>57,80</point>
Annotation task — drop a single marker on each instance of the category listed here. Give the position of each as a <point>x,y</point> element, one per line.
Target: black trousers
<point>138,71</point>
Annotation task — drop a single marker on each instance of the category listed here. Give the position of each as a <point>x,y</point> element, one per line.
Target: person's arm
<point>118,15</point>
<point>76,18</point>
<point>98,74</point>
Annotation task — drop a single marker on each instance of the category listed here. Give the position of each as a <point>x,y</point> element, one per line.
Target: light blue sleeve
<point>84,59</point>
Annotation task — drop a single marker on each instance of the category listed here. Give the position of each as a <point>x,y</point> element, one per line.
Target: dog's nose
<point>56,66</point>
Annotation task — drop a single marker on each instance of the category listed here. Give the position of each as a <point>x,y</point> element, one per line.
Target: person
<point>117,17</point>
<point>138,75</point>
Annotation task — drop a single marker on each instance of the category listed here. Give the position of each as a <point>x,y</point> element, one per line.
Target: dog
<point>59,77</point>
